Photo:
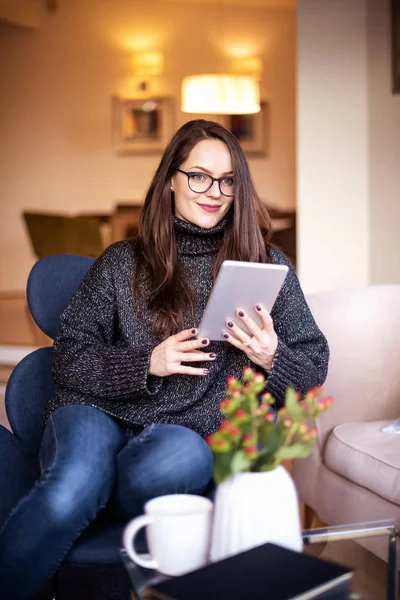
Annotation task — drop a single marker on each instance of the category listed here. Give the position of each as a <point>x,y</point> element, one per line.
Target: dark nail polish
<point>241,313</point>
<point>226,336</point>
<point>206,371</point>
<point>213,356</point>
<point>193,331</point>
<point>204,341</point>
<point>230,324</point>
<point>258,307</point>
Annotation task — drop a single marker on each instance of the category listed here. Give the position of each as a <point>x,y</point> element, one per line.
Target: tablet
<point>240,285</point>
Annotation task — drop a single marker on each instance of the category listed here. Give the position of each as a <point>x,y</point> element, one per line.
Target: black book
<point>268,572</point>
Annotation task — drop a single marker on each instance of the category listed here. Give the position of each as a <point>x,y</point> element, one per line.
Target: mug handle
<point>128,539</point>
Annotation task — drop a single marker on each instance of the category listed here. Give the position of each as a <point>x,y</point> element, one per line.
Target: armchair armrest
<point>18,471</point>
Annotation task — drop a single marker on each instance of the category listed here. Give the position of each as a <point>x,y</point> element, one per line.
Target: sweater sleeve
<point>302,355</point>
<point>86,357</point>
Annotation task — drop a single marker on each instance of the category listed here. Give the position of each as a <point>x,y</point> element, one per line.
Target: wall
<point>332,150</point>
<point>384,150</point>
<point>25,13</point>
<point>348,157</point>
<point>55,99</point>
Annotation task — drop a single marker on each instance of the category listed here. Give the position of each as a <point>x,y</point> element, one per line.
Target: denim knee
<point>163,459</point>
<point>78,457</point>
<point>184,460</point>
<point>189,457</point>
<point>77,489</point>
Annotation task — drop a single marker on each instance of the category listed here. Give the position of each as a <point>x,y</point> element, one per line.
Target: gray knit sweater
<point>103,348</point>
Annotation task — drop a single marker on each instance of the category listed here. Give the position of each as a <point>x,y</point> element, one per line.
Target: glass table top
<point>373,578</point>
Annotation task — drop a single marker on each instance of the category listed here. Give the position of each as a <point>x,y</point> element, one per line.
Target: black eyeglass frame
<point>219,179</point>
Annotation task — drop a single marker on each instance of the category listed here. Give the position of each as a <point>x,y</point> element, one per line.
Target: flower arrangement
<point>255,438</point>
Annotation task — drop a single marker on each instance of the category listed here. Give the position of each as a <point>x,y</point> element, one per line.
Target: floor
<point>370,572</point>
<point>19,335</point>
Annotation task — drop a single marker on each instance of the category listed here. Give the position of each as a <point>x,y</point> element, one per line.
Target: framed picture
<point>141,126</point>
<point>250,130</point>
<point>395,46</point>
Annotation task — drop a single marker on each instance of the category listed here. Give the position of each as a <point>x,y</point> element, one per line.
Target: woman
<point>137,391</point>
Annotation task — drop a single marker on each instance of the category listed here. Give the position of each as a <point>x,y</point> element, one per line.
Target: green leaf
<point>240,462</point>
<point>262,462</point>
<point>222,466</point>
<point>295,412</point>
<point>296,451</point>
<point>271,441</point>
<point>263,432</point>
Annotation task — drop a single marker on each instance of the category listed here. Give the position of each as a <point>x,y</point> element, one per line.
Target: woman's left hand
<point>260,343</point>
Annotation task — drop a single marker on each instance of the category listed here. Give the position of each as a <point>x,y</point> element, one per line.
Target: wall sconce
<point>247,65</point>
<point>220,94</point>
<point>147,65</point>
<point>51,5</point>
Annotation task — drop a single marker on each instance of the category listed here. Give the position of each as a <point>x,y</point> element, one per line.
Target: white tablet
<point>240,285</point>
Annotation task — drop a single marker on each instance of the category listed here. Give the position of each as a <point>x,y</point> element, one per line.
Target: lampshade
<point>220,94</point>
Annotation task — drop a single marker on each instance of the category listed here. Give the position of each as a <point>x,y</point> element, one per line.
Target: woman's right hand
<point>167,357</point>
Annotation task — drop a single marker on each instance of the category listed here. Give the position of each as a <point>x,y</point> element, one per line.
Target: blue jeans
<point>88,461</point>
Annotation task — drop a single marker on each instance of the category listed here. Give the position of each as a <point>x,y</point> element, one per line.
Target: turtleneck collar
<point>192,239</point>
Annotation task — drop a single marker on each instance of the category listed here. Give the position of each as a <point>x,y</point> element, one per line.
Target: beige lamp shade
<point>220,94</point>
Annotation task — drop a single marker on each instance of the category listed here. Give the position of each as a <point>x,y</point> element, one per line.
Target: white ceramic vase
<point>251,509</point>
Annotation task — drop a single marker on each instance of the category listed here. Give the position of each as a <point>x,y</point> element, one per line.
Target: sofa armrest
<point>364,375</point>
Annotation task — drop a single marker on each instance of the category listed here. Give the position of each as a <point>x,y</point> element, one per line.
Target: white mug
<point>178,533</point>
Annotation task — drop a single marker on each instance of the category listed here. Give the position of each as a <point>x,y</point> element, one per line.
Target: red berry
<point>240,414</point>
<point>220,443</point>
<point>248,374</point>
<point>225,425</point>
<point>225,404</point>
<point>250,451</point>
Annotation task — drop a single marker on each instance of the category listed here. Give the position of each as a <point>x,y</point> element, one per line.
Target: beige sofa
<point>354,474</point>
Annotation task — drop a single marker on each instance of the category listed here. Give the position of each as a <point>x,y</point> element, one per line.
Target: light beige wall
<point>348,146</point>
<point>332,150</point>
<point>55,95</point>
<point>384,150</point>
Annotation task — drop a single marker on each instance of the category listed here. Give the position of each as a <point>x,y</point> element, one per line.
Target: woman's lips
<point>209,207</point>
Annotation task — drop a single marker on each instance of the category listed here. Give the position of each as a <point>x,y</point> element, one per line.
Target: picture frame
<point>141,125</point>
<point>252,131</point>
<point>395,19</point>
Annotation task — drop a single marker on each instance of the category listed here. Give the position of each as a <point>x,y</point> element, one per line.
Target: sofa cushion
<point>362,453</point>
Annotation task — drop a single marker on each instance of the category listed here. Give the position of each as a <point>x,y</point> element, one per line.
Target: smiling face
<point>206,209</point>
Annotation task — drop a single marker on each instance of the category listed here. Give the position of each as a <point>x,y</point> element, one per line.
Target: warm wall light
<point>148,63</point>
<point>220,94</point>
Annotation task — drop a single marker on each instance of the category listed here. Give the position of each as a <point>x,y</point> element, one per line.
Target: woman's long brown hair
<point>168,294</point>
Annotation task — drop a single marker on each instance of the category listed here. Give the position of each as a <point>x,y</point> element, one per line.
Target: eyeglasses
<point>200,183</point>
